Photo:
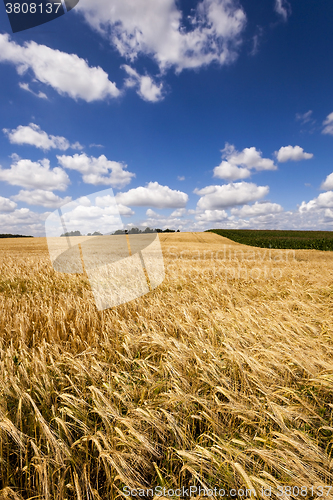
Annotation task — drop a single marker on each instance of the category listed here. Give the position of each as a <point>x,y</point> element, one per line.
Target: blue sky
<point>198,115</point>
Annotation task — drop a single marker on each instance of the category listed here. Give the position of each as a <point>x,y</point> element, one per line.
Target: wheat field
<point>222,377</point>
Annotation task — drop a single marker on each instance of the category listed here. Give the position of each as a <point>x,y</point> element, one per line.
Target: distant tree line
<point>78,233</point>
<point>136,230</point>
<point>14,236</point>
<point>133,230</point>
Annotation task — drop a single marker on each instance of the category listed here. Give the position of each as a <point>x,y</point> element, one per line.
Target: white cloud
<point>98,171</point>
<point>41,197</point>
<point>328,183</point>
<point>230,172</point>
<point>180,212</point>
<point>154,28</point>
<point>147,89</point>
<point>88,217</point>
<point>282,7</point>
<point>108,201</point>
<point>237,165</point>
<point>324,200</point>
<point>153,195</point>
<point>34,136</point>
<point>292,153</point>
<point>229,195</point>
<point>257,209</point>
<point>278,220</point>
<point>125,211</point>
<point>82,213</point>
<point>176,220</point>
<point>22,221</point>
<point>166,222</point>
<point>320,219</point>
<point>328,129</point>
<point>212,216</point>
<point>329,213</point>
<point>7,205</point>
<point>25,86</point>
<point>35,175</point>
<point>68,74</point>
<point>181,177</point>
<point>151,213</point>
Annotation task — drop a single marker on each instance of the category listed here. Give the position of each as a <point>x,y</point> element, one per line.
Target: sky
<point>194,114</point>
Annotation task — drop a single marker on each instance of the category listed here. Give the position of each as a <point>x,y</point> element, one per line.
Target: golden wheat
<point>220,377</point>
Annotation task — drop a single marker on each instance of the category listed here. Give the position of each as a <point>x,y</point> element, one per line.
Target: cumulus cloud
<point>7,205</point>
<point>328,183</point>
<point>292,153</point>
<point>98,171</point>
<point>148,90</point>
<point>125,211</point>
<point>25,86</point>
<point>320,208</point>
<point>180,212</point>
<point>238,165</point>
<point>165,222</point>
<point>282,7</point>
<point>230,172</point>
<point>155,28</point>
<point>82,213</point>
<point>151,213</point>
<point>41,197</point>
<point>88,217</point>
<point>67,74</point>
<point>257,209</point>
<point>328,128</point>
<point>35,175</point>
<point>328,213</point>
<point>324,200</point>
<point>108,201</point>
<point>34,136</point>
<point>22,221</point>
<point>212,216</point>
<point>229,195</point>
<point>205,219</point>
<point>153,195</point>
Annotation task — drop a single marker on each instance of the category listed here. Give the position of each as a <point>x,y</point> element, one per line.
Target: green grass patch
<point>308,240</point>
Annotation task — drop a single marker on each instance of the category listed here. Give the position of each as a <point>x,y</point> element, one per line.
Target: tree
<point>72,233</point>
<point>134,230</point>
